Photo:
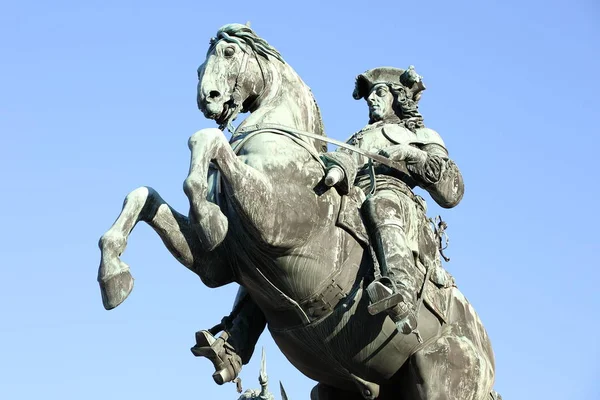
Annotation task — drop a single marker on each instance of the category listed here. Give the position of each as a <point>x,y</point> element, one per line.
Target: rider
<point>394,215</point>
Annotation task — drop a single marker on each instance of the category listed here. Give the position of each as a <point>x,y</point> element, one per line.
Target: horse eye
<point>229,51</point>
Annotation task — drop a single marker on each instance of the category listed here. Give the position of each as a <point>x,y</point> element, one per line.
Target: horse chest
<point>272,153</point>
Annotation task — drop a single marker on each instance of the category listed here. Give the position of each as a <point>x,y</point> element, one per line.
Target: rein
<point>296,132</point>
<point>237,104</point>
<point>236,97</point>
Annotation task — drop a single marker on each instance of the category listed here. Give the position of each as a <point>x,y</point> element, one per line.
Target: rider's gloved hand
<point>404,152</point>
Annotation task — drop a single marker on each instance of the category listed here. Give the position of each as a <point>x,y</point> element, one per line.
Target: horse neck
<point>286,100</point>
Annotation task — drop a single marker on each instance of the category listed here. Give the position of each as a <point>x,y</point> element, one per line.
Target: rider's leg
<point>391,221</point>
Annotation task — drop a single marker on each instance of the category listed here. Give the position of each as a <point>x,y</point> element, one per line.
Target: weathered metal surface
<point>266,219</point>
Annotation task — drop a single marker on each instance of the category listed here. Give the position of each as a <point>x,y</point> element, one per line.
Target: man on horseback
<point>394,216</point>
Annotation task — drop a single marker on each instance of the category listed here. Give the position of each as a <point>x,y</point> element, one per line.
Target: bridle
<point>236,97</point>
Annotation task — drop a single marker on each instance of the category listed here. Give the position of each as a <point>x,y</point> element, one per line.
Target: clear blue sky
<point>98,98</point>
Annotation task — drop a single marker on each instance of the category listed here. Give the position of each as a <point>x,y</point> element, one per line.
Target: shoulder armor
<point>429,136</point>
<point>398,134</point>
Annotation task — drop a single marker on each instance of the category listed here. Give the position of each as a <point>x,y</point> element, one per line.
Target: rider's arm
<point>428,162</point>
<point>439,175</point>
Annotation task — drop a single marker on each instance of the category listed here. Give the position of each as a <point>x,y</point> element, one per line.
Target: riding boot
<point>396,291</point>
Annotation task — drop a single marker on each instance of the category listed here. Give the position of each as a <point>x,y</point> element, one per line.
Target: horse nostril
<point>214,94</point>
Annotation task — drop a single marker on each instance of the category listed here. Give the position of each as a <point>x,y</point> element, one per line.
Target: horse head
<point>232,78</point>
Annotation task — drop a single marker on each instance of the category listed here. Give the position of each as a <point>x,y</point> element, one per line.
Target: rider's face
<point>380,102</point>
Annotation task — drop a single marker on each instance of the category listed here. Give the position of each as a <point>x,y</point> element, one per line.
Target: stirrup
<point>405,319</point>
<point>382,296</point>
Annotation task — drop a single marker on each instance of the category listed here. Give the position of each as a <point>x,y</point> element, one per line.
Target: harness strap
<point>236,96</point>
<point>421,295</point>
<point>297,132</point>
<point>237,143</point>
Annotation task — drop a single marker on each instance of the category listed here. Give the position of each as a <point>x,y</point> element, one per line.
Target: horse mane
<point>238,33</point>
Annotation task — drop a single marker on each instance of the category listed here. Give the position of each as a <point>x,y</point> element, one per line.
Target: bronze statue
<point>398,228</point>
<point>266,219</point>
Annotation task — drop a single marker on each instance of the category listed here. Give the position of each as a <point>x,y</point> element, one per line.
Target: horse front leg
<point>206,146</point>
<point>145,204</point>
<point>247,187</point>
<point>206,218</point>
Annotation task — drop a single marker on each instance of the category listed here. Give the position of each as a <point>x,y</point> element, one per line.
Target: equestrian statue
<point>332,250</point>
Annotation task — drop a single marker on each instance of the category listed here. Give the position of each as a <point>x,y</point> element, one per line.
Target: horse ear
<point>248,24</point>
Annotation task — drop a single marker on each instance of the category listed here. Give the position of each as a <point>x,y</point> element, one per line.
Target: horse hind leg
<point>451,368</point>
<point>209,223</point>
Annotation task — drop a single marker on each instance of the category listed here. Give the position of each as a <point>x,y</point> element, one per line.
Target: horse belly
<point>351,341</point>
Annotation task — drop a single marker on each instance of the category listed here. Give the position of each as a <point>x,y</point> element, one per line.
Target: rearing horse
<point>264,219</point>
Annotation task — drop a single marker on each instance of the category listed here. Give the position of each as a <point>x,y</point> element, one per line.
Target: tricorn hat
<point>408,78</point>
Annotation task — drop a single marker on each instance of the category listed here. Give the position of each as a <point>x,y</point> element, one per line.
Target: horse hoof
<point>222,376</point>
<point>115,289</point>
<point>212,226</point>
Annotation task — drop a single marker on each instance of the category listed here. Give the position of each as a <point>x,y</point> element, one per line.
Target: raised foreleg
<point>175,230</point>
<point>206,146</point>
<point>270,185</point>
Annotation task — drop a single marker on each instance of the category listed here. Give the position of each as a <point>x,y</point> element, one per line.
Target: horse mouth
<point>221,117</point>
